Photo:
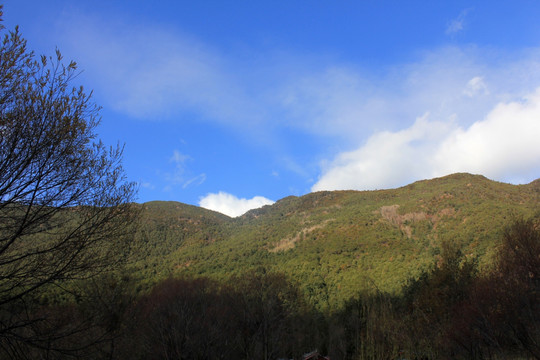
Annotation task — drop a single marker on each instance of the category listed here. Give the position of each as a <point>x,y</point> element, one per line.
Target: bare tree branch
<point>65,204</point>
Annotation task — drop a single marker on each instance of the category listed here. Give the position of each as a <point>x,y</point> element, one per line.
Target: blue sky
<point>234,104</point>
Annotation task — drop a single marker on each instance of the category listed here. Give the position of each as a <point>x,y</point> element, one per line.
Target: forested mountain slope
<point>334,243</point>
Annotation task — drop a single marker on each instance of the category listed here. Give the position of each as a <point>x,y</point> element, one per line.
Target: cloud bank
<point>502,146</point>
<point>453,108</point>
<point>231,205</point>
<point>459,83</point>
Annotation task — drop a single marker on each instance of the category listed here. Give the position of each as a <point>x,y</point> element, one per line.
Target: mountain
<point>334,243</point>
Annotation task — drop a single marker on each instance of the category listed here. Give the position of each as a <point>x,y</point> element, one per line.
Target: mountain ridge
<point>332,241</point>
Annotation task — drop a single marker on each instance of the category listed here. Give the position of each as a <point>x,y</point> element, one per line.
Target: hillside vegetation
<point>447,268</point>
<point>334,243</point>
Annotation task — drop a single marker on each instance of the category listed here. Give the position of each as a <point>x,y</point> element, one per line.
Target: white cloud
<point>476,86</point>
<point>457,24</point>
<point>197,180</point>
<point>503,146</point>
<point>385,160</point>
<point>231,205</point>
<point>179,158</point>
<point>153,72</point>
<point>181,175</point>
<point>349,103</point>
<point>177,176</point>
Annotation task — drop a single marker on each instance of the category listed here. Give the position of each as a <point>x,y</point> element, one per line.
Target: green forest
<point>444,268</point>
<point>447,268</point>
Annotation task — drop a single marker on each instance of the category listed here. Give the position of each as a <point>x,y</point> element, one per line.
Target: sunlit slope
<point>334,243</point>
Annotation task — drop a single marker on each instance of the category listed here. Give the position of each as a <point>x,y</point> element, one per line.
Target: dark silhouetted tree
<point>64,202</point>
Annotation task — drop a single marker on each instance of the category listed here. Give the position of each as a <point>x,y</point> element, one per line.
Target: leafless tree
<point>65,205</point>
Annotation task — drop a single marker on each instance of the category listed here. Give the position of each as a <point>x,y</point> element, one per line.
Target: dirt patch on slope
<point>402,221</point>
<point>290,242</point>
